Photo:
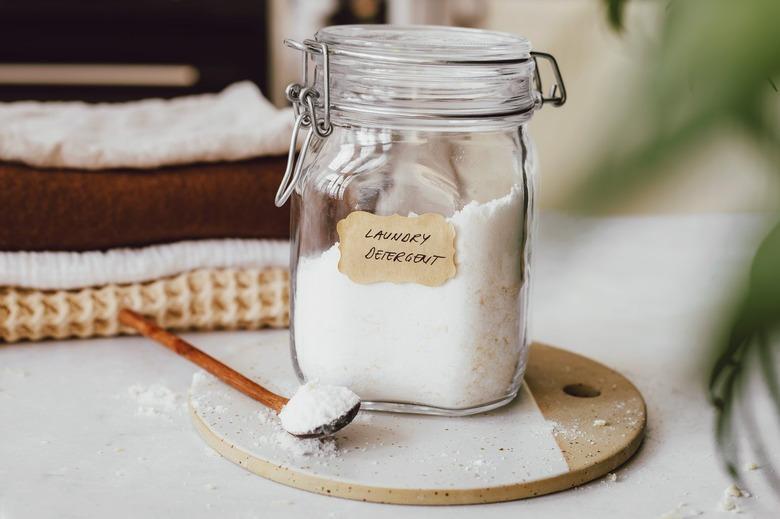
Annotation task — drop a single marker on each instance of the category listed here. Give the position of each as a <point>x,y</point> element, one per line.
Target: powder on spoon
<point>315,405</point>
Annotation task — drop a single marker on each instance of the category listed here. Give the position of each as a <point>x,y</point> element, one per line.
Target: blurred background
<point>110,50</point>
<point>672,108</point>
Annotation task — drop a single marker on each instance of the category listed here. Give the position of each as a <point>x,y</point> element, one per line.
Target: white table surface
<point>642,295</point>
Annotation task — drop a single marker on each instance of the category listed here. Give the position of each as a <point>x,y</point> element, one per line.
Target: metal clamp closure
<point>558,91</point>
<point>304,98</point>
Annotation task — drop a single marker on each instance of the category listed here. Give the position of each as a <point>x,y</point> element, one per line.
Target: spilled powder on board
<point>277,437</point>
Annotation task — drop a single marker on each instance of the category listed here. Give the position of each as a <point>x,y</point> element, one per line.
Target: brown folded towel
<point>74,210</point>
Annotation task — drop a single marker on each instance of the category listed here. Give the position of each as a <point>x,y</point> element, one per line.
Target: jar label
<point>398,249</point>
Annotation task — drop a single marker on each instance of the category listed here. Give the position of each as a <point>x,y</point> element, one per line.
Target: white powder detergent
<point>457,345</point>
<point>314,405</point>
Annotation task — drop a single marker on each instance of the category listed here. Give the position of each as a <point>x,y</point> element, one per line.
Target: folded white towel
<point>69,270</point>
<point>236,124</point>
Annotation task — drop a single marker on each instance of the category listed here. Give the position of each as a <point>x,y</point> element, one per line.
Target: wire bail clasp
<point>557,95</point>
<point>304,98</point>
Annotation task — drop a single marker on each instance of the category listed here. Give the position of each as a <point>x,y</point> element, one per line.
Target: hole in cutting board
<point>581,390</point>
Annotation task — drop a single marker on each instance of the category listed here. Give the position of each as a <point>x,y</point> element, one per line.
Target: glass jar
<point>412,214</point>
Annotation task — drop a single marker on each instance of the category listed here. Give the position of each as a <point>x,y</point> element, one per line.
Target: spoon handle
<point>225,373</point>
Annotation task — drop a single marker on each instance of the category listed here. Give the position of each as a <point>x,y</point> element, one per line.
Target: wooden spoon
<point>225,373</point>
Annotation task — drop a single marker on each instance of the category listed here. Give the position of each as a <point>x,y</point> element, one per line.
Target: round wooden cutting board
<point>574,421</point>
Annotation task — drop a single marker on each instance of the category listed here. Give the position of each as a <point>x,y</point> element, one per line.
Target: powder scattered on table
<point>727,504</point>
<point>154,400</point>
<point>731,495</point>
<point>682,511</point>
<point>733,490</point>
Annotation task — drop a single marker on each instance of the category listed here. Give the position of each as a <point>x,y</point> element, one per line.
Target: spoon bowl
<point>332,427</point>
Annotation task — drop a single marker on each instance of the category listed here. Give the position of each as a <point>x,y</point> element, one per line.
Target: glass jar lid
<point>434,77</point>
<point>425,75</point>
<point>419,76</point>
<point>424,44</point>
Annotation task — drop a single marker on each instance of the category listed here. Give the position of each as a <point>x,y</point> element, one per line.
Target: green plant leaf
<point>747,340</point>
<point>714,67</point>
<point>615,13</point>
<point>708,71</point>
